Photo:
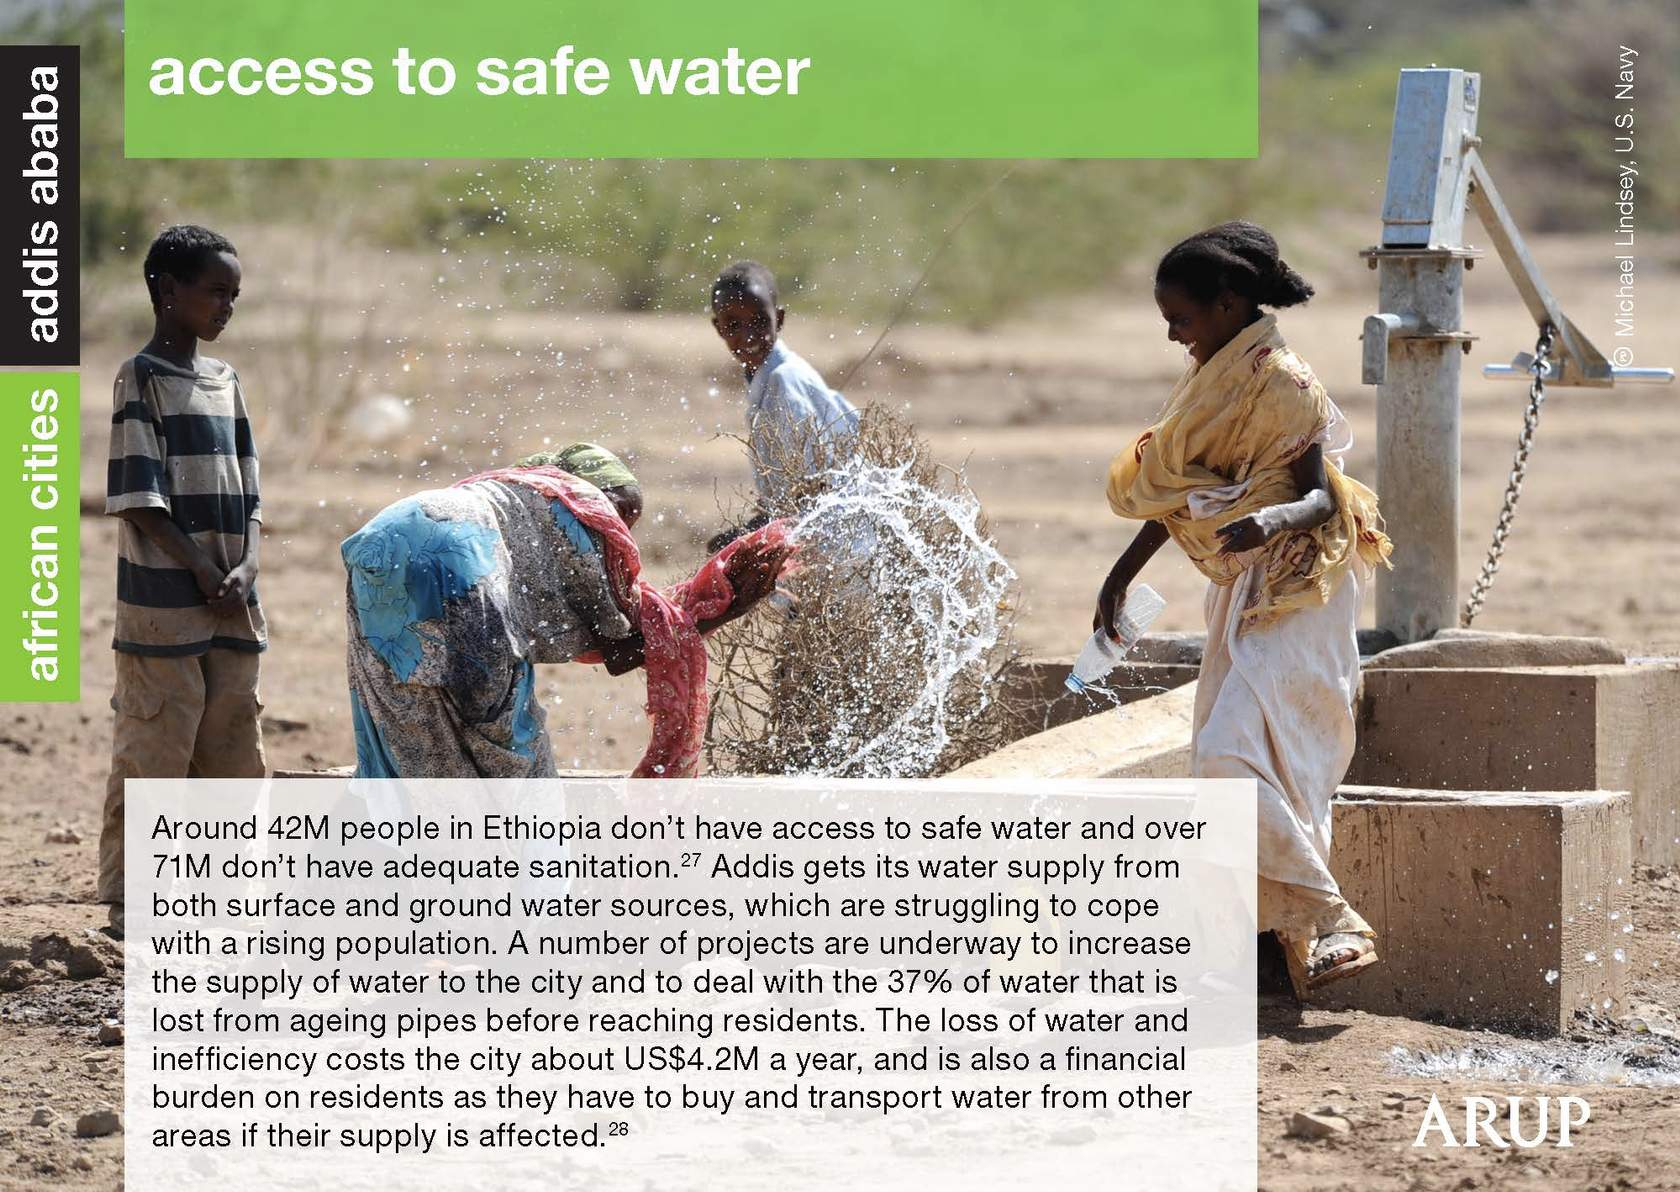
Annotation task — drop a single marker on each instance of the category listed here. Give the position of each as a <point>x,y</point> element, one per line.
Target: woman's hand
<point>1111,599</point>
<point>752,572</point>
<point>1149,538</point>
<point>753,576</point>
<point>1247,533</point>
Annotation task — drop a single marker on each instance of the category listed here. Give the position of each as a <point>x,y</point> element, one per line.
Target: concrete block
<point>1577,728</point>
<point>1477,648</point>
<point>1490,908</point>
<point>1146,739</point>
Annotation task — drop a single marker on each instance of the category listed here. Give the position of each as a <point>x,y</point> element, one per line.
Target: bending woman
<point>1242,470</point>
<point>455,593</point>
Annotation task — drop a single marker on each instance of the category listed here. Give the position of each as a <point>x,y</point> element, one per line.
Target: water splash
<point>892,533</point>
<point>1643,1060</point>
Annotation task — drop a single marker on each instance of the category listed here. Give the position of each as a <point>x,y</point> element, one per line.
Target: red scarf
<point>673,648</point>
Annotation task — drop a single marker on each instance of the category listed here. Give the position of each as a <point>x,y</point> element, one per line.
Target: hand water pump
<point>1412,349</point>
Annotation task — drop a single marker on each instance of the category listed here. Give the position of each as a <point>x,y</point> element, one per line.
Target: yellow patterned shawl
<point>1241,420</point>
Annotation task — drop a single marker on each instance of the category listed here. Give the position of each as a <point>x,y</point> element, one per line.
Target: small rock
<point>99,1122</point>
<point>1286,1066</point>
<point>64,834</point>
<point>82,1163</point>
<point>17,975</point>
<point>1317,1125</point>
<point>44,1116</point>
<point>1394,1103</point>
<point>1074,1135</point>
<point>111,1032</point>
<point>83,963</point>
<point>79,961</point>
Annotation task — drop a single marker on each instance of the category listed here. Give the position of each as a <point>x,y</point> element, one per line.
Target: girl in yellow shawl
<point>1242,471</point>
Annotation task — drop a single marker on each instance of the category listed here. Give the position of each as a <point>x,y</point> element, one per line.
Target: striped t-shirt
<point>181,442</point>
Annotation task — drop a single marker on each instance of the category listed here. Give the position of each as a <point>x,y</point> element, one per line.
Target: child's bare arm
<point>157,526</point>
<point>1315,506</point>
<point>1149,539</point>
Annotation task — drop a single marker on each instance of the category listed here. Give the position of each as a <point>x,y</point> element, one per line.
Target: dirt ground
<point>1035,408</point>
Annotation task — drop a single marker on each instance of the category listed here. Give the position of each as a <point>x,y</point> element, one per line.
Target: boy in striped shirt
<point>182,477</point>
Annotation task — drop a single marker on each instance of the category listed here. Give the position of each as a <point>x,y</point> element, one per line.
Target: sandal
<point>1337,956</point>
<point>1328,959</point>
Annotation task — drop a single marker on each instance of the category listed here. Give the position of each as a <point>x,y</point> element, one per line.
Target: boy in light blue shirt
<point>789,406</point>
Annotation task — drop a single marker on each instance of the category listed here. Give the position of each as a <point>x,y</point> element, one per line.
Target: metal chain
<point>1538,369</point>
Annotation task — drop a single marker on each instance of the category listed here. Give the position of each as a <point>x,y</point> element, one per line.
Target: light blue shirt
<point>788,403</point>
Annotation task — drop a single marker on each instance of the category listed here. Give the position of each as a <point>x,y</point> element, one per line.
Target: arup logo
<point>1480,1112</point>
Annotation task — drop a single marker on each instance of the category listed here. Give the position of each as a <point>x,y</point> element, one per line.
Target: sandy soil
<point>1035,407</point>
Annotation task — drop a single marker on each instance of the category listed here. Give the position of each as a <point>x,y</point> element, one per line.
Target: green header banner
<point>40,527</point>
<point>671,78</point>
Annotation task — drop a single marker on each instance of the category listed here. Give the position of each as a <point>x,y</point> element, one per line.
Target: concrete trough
<point>1146,739</point>
<point>1498,909</point>
<point>1477,896</point>
<point>1038,686</point>
<point>1535,728</point>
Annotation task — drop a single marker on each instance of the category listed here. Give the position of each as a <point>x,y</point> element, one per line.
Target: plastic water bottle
<point>1102,653</point>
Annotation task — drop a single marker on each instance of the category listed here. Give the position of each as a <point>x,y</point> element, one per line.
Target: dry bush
<point>893,662</point>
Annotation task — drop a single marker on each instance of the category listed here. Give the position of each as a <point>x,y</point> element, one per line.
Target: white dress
<point>1275,703</point>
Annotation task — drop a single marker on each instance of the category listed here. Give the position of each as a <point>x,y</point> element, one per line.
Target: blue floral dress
<point>453,595</point>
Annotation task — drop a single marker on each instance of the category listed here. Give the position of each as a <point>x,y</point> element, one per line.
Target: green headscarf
<point>586,461</point>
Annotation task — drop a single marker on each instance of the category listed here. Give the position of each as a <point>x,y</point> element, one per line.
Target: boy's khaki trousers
<point>190,717</point>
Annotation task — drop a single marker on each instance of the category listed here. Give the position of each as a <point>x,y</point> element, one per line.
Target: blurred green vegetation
<point>854,235</point>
